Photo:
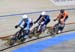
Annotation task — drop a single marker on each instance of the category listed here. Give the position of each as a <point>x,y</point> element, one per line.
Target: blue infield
<point>38,46</point>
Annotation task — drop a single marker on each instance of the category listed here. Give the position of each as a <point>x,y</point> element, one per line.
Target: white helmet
<point>24,16</point>
<point>43,13</point>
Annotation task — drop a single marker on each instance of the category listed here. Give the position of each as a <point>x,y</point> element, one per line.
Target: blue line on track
<point>38,46</point>
<point>34,12</point>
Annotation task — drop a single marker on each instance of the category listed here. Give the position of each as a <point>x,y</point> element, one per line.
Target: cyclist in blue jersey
<point>25,23</point>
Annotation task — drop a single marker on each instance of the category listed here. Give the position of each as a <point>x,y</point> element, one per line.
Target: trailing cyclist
<point>62,17</point>
<point>25,24</point>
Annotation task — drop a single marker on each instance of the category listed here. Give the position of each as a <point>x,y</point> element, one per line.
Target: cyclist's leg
<point>20,33</point>
<point>61,27</point>
<point>56,27</point>
<point>45,24</point>
<point>25,35</point>
<point>42,27</point>
<point>38,27</point>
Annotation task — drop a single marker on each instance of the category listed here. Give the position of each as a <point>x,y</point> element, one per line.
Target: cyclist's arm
<point>20,22</point>
<point>58,17</point>
<point>38,19</point>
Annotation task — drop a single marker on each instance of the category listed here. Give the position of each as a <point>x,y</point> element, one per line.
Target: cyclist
<point>25,24</point>
<point>62,17</point>
<point>44,19</point>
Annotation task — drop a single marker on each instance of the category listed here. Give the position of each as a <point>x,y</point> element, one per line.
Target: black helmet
<point>62,11</point>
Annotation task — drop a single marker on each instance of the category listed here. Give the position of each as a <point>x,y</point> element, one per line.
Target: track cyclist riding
<point>25,24</point>
<point>43,20</point>
<point>62,17</point>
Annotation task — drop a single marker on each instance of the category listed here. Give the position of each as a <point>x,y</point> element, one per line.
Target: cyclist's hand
<point>16,26</point>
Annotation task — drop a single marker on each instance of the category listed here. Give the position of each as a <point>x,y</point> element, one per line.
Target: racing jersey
<point>62,16</point>
<point>25,23</point>
<point>43,18</point>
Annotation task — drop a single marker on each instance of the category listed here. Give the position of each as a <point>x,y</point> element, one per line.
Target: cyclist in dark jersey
<point>43,18</point>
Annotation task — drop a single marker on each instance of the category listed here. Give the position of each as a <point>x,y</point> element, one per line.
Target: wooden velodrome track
<point>7,23</point>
